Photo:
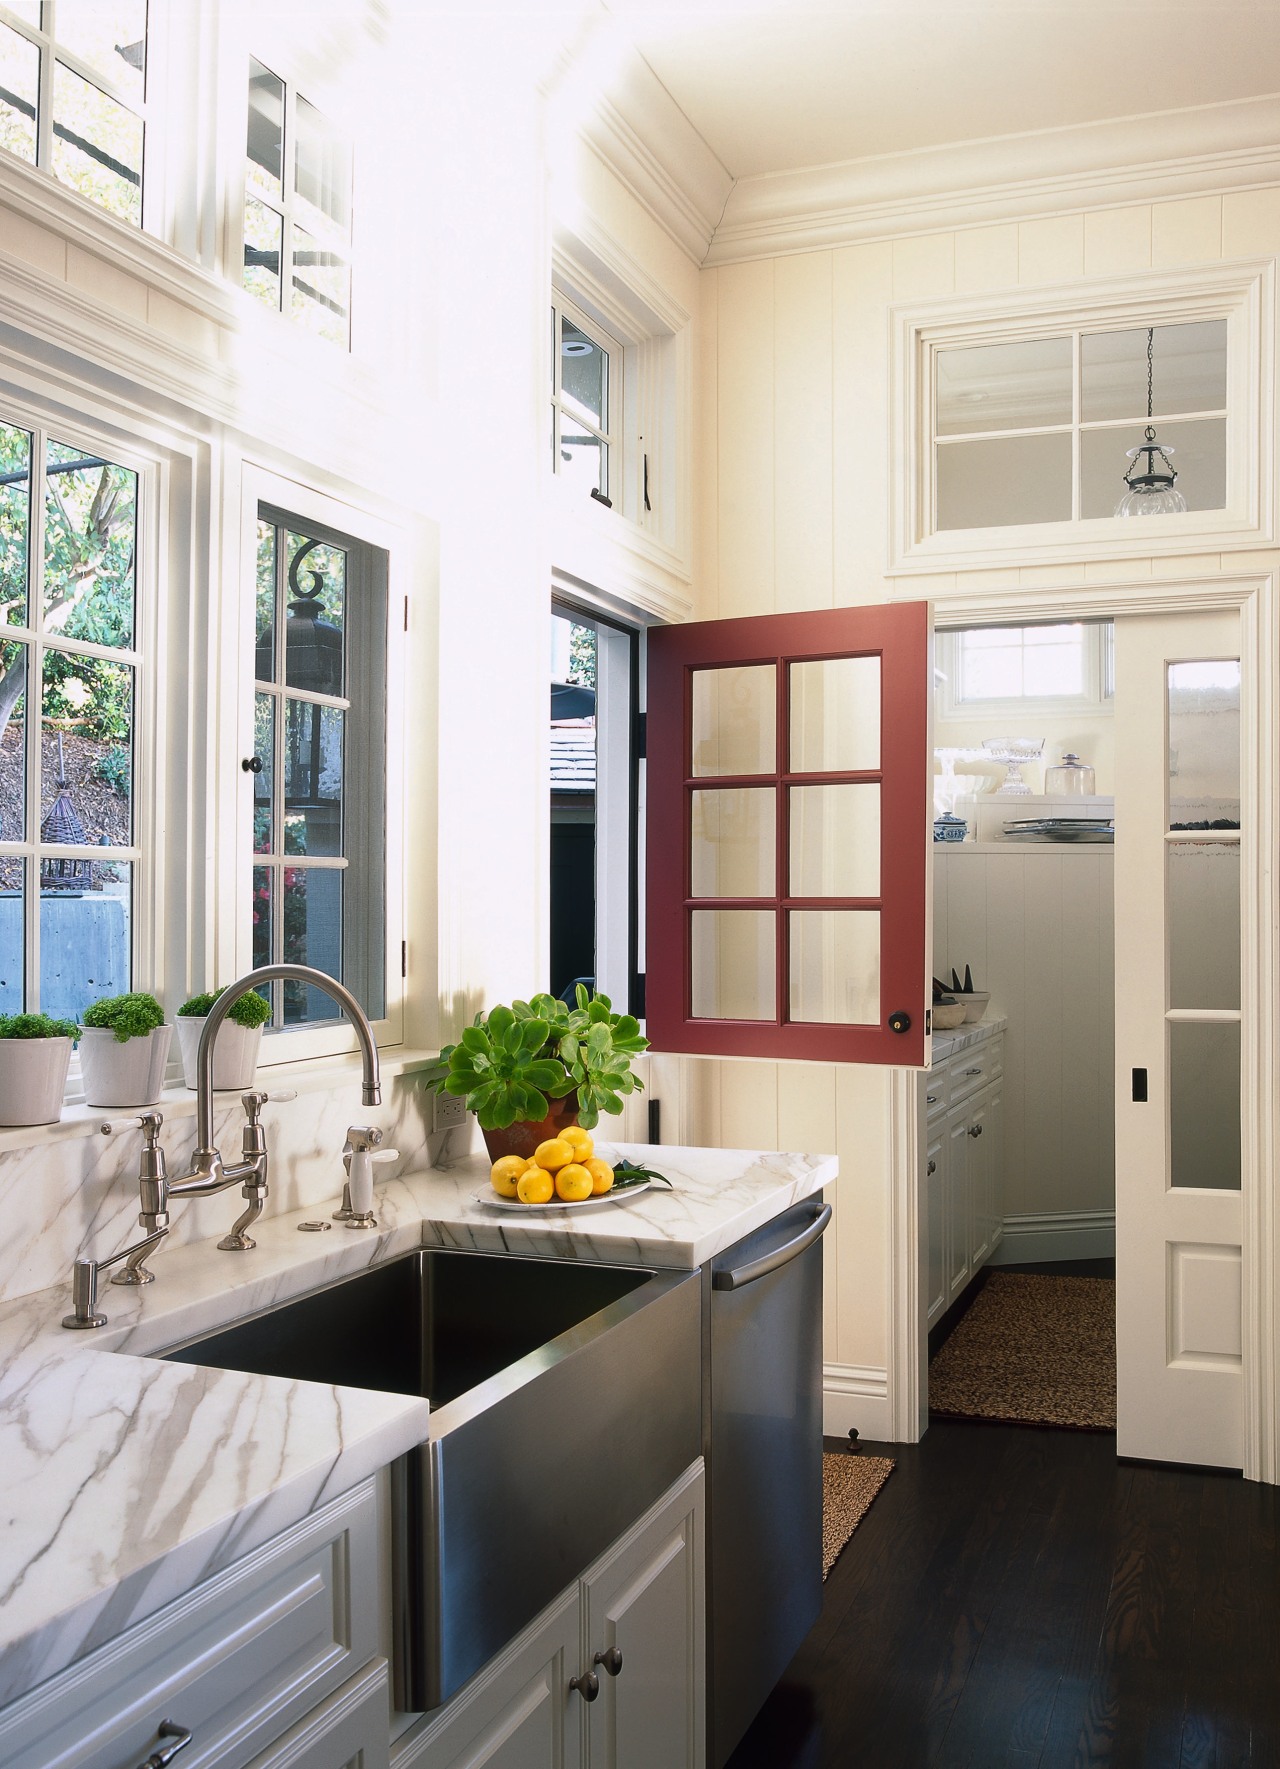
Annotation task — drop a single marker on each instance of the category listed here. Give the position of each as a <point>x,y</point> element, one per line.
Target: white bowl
<point>975,1004</point>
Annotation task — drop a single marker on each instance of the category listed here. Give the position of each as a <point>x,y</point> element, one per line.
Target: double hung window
<point>319,764</point>
<point>70,655</point>
<point>297,209</point>
<point>73,76</point>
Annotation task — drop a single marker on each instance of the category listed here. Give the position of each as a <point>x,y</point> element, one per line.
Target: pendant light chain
<point>1151,339</point>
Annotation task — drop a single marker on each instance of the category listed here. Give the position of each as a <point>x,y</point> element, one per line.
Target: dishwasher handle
<point>789,1250</point>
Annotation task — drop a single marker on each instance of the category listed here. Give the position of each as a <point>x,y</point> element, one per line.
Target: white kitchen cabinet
<point>643,1599</point>
<point>237,1662</point>
<point>961,1185</point>
<point>348,1731</point>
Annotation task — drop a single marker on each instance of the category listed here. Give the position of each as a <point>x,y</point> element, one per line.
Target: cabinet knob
<point>933,1167</point>
<point>975,1130</point>
<point>587,1685</point>
<point>179,1738</point>
<point>252,764</point>
<point>611,1660</point>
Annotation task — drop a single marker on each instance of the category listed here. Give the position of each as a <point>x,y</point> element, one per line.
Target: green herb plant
<point>128,1016</point>
<point>249,1010</point>
<point>35,1025</point>
<point>513,1061</point>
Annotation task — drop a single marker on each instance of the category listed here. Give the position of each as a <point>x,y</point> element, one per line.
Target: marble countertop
<point>946,1044</point>
<point>127,1479</point>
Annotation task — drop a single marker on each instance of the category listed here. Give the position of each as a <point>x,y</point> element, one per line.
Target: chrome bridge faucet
<point>207,1172</point>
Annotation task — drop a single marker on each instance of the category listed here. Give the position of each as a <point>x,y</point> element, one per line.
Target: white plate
<point>490,1197</point>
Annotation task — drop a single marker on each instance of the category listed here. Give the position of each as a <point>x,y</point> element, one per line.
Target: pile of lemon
<point>563,1167</point>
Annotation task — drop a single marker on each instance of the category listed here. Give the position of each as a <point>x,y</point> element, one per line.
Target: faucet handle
<point>148,1123</point>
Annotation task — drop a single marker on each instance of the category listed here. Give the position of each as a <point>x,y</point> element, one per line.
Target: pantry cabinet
<point>961,1186</point>
<point>611,1675</point>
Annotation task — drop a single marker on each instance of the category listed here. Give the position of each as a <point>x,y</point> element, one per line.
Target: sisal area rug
<point>1033,1350</point>
<point>849,1483</point>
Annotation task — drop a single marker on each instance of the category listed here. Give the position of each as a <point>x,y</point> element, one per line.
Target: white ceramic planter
<point>128,1074</point>
<point>235,1052</point>
<point>33,1079</point>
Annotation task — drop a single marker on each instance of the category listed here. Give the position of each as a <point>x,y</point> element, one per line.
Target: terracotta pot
<point>523,1137</point>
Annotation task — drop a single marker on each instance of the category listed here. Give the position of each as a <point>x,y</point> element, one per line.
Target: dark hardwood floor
<point>1017,1599</point>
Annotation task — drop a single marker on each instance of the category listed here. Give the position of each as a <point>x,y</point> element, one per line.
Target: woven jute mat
<point>849,1483</point>
<point>1033,1350</point>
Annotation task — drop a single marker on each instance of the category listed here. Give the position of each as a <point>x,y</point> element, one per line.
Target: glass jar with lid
<point>1072,779</point>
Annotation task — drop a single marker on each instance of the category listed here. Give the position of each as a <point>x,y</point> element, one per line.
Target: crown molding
<point>1005,178</point>
<point>646,140</point>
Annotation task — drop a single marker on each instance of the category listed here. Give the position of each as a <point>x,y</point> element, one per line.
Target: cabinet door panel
<point>995,1155</point>
<point>958,1203</point>
<point>519,1712</point>
<point>935,1197</point>
<point>979,1183</point>
<point>645,1600</point>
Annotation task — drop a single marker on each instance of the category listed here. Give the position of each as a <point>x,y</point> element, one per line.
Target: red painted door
<point>789,812</point>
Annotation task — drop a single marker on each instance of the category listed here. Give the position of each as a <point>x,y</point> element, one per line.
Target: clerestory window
<point>586,364</point>
<point>297,209</point>
<point>73,95</point>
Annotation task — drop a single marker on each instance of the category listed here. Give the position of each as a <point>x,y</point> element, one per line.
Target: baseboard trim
<point>1064,1234</point>
<point>856,1397</point>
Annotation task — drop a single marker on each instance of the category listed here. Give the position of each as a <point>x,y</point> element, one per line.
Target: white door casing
<point>1179,1215</point>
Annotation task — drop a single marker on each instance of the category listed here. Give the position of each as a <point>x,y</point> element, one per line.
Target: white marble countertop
<point>946,1044</point>
<point>126,1480</point>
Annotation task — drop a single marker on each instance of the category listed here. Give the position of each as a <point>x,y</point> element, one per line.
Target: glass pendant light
<point>1151,491</point>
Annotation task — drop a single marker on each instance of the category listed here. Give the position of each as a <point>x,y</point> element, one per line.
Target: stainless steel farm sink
<point>566,1398</point>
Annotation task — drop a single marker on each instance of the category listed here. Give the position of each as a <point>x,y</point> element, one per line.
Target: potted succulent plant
<point>124,1046</point>
<point>235,1051</point>
<point>529,1069</point>
<point>35,1053</point>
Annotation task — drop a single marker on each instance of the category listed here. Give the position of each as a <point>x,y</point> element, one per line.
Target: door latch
<point>899,1022</point>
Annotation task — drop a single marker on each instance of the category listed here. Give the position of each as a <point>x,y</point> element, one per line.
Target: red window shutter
<point>742,958</point>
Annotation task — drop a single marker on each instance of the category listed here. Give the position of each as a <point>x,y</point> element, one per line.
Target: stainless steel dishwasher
<point>763,1422</point>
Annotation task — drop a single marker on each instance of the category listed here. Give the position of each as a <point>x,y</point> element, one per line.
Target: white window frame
<point>294,89</point>
<point>153,926</point>
<point>564,406</point>
<point>145,109</point>
<point>1241,294</point>
<point>309,506</point>
<point>1095,697</point>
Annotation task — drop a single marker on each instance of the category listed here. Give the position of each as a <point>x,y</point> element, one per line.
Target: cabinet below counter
<point>962,1185</point>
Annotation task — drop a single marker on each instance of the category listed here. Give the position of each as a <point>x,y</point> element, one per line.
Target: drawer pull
<point>611,1660</point>
<point>973,1071</point>
<point>931,1099</point>
<point>932,1168</point>
<point>179,1738</point>
<point>587,1685</point>
<point>975,1130</point>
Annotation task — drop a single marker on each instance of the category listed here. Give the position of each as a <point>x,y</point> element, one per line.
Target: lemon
<point>601,1176</point>
<point>554,1153</point>
<point>578,1141</point>
<point>535,1185</point>
<point>505,1172</point>
<point>573,1183</point>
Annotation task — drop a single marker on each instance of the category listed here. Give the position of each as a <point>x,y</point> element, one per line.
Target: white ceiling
<point>774,85</point>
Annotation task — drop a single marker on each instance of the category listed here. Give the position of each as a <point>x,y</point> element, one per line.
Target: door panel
<point>789,812</point>
<point>1178,1027</point>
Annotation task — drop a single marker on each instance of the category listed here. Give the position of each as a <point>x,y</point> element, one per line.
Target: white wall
<point>794,420</point>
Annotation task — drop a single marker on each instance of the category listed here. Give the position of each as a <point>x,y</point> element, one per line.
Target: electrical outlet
<point>449,1111</point>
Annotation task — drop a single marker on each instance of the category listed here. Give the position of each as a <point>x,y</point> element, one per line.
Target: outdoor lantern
<point>1152,491</point>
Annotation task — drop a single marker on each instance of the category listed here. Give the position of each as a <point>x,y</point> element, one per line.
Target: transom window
<point>584,362</point>
<point>297,209</point>
<point>69,647</point>
<point>985,669</point>
<point>319,765</point>
<point>1039,430</point>
<point>73,77</point>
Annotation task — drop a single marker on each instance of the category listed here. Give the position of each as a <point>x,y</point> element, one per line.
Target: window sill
<point>178,1102</point>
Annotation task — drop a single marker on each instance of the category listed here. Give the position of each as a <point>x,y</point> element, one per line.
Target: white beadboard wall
<point>1036,925</point>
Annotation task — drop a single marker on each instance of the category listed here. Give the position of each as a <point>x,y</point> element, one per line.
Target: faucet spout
<point>266,973</point>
